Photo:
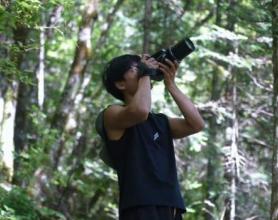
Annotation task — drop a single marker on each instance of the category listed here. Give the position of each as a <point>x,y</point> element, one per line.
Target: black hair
<point>114,71</point>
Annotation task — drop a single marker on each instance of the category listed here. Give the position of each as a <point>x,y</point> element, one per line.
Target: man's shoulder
<point>113,107</point>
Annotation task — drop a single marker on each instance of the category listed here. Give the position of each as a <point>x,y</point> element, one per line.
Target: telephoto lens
<point>175,53</point>
<point>182,49</point>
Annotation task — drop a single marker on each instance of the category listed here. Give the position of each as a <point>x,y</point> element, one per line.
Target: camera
<point>175,53</point>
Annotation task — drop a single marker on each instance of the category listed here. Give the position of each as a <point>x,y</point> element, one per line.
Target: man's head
<point>117,74</point>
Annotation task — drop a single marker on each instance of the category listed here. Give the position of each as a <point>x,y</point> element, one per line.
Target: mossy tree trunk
<point>274,195</point>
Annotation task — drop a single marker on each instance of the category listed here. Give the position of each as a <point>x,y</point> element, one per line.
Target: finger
<point>176,64</point>
<point>164,66</point>
<point>172,65</point>
<point>170,73</point>
<point>164,71</point>
<point>167,74</point>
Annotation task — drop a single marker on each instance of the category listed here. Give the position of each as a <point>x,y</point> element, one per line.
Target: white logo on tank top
<point>155,136</point>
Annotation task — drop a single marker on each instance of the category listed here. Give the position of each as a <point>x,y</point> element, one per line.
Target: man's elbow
<point>199,127</point>
<point>141,114</point>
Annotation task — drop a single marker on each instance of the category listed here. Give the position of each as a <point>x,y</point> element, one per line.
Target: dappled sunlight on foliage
<point>56,170</point>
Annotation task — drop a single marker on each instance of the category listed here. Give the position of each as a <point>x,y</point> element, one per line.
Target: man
<point>139,143</point>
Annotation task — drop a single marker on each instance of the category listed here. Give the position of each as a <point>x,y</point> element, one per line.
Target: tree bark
<point>41,64</point>
<point>213,153</point>
<point>26,93</point>
<point>74,161</point>
<point>234,149</point>
<point>60,120</point>
<point>109,21</point>
<point>54,19</point>
<point>274,194</point>
<point>234,156</point>
<point>81,58</point>
<point>8,105</point>
<point>7,131</point>
<point>72,114</point>
<point>147,24</point>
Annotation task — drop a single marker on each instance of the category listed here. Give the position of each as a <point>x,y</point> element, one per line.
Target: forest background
<point>52,55</point>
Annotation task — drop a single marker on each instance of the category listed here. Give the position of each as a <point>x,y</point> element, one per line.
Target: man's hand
<point>169,72</point>
<point>149,61</point>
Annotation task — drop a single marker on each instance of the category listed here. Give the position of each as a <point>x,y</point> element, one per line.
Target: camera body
<point>175,53</point>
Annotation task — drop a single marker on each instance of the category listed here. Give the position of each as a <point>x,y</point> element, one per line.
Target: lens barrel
<point>182,49</point>
<point>175,53</point>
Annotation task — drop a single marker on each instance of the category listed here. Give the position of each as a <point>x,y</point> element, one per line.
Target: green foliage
<point>21,13</point>
<point>87,187</point>
<point>9,69</point>
<point>11,72</point>
<point>45,137</point>
<point>50,214</point>
<point>7,21</point>
<point>16,204</point>
<point>26,12</point>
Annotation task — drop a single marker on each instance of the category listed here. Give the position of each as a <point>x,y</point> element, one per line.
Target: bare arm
<point>192,121</point>
<point>121,117</point>
<point>136,110</point>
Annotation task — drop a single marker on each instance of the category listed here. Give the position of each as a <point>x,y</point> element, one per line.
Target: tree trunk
<point>8,105</point>
<point>213,153</point>
<point>71,115</point>
<point>234,149</point>
<point>81,58</point>
<point>82,55</point>
<point>274,195</point>
<point>147,24</point>
<point>54,19</point>
<point>234,155</point>
<point>41,64</point>
<point>7,131</point>
<point>26,93</point>
<point>109,21</point>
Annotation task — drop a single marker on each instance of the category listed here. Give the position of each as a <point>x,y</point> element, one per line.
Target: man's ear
<point>120,85</point>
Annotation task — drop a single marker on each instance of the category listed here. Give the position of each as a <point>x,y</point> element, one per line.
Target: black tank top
<point>145,163</point>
